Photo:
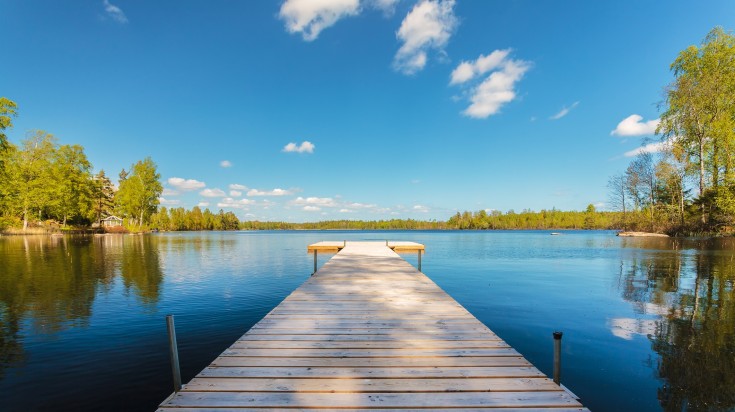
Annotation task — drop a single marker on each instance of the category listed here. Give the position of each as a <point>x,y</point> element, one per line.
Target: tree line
<point>527,219</point>
<point>690,186</point>
<point>42,180</point>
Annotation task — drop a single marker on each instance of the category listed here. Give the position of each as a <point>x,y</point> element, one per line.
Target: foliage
<point>138,195</point>
<point>194,219</point>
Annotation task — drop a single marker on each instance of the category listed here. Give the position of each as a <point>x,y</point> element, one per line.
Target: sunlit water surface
<point>649,324</point>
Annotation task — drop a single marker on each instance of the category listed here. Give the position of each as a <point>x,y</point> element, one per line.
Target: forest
<point>688,187</point>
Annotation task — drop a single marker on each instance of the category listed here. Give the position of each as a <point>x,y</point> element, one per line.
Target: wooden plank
<point>476,362</point>
<point>427,344</point>
<point>366,353</point>
<point>363,400</point>
<point>368,331</point>
<point>374,372</point>
<point>302,409</point>
<point>372,385</point>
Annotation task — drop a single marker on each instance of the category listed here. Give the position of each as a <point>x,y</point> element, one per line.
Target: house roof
<point>112,218</point>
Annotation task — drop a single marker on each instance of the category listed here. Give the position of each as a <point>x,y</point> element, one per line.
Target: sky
<point>306,110</point>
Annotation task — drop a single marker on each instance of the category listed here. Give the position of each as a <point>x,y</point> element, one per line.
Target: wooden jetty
<point>369,331</point>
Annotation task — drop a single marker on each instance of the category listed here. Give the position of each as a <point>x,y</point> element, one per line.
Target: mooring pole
<point>419,260</point>
<point>314,263</point>
<point>174,352</point>
<point>557,357</point>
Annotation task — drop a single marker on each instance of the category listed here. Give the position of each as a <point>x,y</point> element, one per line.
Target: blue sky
<point>358,109</point>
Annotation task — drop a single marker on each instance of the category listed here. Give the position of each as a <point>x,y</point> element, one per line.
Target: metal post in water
<point>314,262</point>
<point>174,352</point>
<point>344,243</point>
<point>419,260</point>
<point>557,357</point>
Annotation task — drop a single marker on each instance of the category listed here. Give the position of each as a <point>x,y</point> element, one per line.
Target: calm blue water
<point>649,324</point>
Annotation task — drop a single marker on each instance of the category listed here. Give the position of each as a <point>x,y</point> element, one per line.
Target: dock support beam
<point>173,352</point>
<point>557,357</point>
<point>312,273</point>
<point>419,260</point>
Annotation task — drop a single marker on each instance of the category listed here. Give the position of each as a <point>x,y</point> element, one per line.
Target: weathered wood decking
<point>368,331</point>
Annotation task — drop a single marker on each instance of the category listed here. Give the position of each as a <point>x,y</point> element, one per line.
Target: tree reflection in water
<point>689,285</point>
<point>50,283</point>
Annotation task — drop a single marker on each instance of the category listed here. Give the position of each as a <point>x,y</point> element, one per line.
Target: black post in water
<point>174,352</point>
<point>314,263</point>
<point>419,260</point>
<point>557,357</point>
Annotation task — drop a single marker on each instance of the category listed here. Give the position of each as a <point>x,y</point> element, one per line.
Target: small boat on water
<point>555,233</point>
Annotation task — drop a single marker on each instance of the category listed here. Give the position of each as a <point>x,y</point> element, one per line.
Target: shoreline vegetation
<point>46,187</point>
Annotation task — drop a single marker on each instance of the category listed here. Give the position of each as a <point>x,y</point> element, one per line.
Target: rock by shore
<point>641,234</point>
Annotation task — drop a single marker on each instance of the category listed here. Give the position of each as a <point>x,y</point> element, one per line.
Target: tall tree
<point>618,195</point>
<point>75,187</point>
<point>8,110</point>
<point>104,194</point>
<point>699,116</point>
<point>138,195</point>
<point>30,174</point>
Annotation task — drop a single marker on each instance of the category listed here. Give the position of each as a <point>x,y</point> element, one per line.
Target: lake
<point>649,323</point>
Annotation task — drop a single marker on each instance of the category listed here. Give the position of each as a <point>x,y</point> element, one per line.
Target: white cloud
<point>169,202</point>
<point>114,12</point>
<point>468,70</point>
<point>388,7</point>
<point>305,147</point>
<point>235,186</point>
<point>213,193</point>
<point>649,148</point>
<point>312,208</point>
<point>169,192</point>
<point>356,205</point>
<point>274,192</point>
<point>633,126</point>
<point>203,204</point>
<point>310,17</point>
<point>345,211</point>
<point>315,201</point>
<point>497,89</point>
<point>225,163</point>
<point>429,25</point>
<point>420,208</point>
<point>185,184</point>
<point>235,193</point>
<point>231,203</point>
<point>564,111</point>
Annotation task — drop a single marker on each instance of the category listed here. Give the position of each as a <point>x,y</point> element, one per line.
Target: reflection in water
<point>51,283</point>
<point>688,285</point>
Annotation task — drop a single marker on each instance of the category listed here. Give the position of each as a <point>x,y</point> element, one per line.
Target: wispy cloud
<point>169,192</point>
<point>310,17</point>
<point>649,148</point>
<point>467,70</point>
<point>564,111</point>
<point>429,25</point>
<point>168,202</point>
<point>213,193</point>
<point>496,89</point>
<point>315,201</point>
<point>225,163</point>
<point>420,209</point>
<point>185,184</point>
<point>114,12</point>
<point>388,7</point>
<point>203,204</point>
<point>310,208</point>
<point>305,147</point>
<point>633,126</point>
<point>230,203</point>
<point>236,186</point>
<point>274,192</point>
<point>235,193</point>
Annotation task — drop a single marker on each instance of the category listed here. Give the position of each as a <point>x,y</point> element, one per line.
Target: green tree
<point>8,110</point>
<point>699,116</point>
<point>104,195</point>
<point>30,179</point>
<point>74,188</point>
<point>138,195</point>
